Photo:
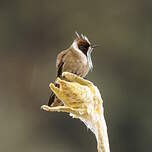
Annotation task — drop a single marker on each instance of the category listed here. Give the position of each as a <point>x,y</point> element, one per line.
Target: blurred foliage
<point>33,32</point>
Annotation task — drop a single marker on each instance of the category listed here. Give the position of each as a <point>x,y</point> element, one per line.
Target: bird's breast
<point>77,64</point>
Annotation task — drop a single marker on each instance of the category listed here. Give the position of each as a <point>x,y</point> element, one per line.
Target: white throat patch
<point>89,58</point>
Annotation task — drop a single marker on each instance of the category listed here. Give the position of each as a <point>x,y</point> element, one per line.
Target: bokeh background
<point>33,32</point>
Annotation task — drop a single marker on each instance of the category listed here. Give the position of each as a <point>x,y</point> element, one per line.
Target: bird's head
<point>83,44</point>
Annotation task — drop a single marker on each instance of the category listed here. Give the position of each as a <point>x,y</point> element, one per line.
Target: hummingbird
<point>76,59</point>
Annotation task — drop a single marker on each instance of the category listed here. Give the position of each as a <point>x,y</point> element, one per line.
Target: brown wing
<point>60,62</point>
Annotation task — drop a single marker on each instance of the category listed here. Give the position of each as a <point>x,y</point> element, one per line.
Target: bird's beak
<point>95,45</point>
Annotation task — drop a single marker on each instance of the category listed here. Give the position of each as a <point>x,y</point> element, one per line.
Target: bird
<point>76,59</point>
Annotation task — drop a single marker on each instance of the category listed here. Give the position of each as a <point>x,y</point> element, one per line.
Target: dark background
<point>33,32</point>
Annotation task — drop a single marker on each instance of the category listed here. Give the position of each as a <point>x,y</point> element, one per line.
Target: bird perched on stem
<point>76,59</point>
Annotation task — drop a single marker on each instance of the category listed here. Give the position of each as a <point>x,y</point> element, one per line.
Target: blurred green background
<point>33,32</point>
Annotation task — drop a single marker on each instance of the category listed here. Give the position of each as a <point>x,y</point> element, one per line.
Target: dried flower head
<point>82,100</point>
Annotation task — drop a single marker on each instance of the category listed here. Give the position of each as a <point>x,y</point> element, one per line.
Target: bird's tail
<point>53,100</point>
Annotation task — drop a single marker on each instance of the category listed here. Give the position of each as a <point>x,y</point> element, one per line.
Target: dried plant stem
<point>102,136</point>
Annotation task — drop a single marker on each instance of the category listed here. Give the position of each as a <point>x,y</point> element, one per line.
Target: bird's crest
<point>82,37</point>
